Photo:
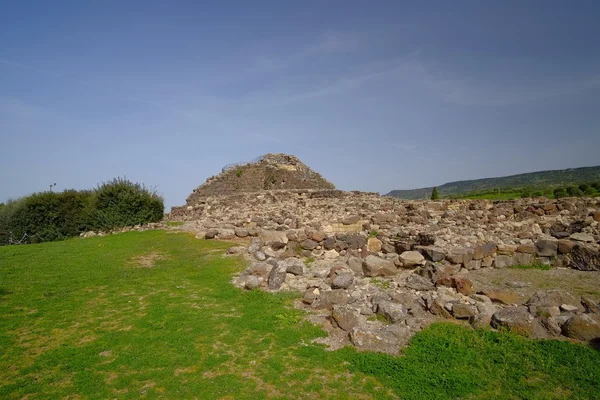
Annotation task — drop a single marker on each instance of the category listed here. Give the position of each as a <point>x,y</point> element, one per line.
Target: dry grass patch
<point>147,260</point>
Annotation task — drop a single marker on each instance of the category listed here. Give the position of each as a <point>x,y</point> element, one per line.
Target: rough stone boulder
<point>516,319</point>
<point>391,311</point>
<point>546,299</point>
<point>345,316</point>
<point>411,259</point>
<point>378,340</point>
<point>375,266</point>
<point>585,258</point>
<point>584,327</point>
<point>276,277</point>
<point>328,299</point>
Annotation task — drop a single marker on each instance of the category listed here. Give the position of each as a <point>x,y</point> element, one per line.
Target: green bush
<point>49,216</point>
<point>574,191</point>
<point>120,203</point>
<point>6,216</point>
<point>560,192</point>
<point>435,194</point>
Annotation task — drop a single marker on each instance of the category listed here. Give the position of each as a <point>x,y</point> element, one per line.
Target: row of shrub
<point>592,190</point>
<point>49,216</point>
<point>581,190</point>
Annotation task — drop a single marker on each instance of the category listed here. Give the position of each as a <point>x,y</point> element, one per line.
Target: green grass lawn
<point>153,315</point>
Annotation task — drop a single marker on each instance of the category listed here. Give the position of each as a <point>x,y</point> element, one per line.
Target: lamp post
<point>51,186</point>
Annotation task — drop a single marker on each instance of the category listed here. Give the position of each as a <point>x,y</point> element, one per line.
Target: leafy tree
<point>48,216</point>
<point>590,191</point>
<point>435,195</point>
<point>560,192</point>
<point>120,203</point>
<point>583,187</point>
<point>574,191</point>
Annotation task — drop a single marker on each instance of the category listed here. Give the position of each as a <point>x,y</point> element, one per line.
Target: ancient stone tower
<point>269,172</point>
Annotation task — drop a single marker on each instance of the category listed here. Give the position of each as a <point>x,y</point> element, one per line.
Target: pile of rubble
<point>374,270</point>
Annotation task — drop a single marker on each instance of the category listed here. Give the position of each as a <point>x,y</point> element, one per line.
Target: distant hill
<point>532,180</point>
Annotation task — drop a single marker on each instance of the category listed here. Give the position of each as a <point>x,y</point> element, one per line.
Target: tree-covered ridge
<point>531,182</point>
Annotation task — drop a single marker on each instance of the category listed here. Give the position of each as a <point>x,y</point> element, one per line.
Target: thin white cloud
<point>62,76</point>
<point>466,92</point>
<point>340,86</point>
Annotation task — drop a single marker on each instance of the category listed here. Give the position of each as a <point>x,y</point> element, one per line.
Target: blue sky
<point>373,95</point>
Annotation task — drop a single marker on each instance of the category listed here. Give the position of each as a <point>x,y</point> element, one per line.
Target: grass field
<point>153,315</point>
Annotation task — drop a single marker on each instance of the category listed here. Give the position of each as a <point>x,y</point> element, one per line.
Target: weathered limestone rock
<point>252,282</point>
<point>501,296</point>
<point>276,278</point>
<point>328,299</point>
<point>331,254</point>
<point>293,266</point>
<point>503,261</point>
<point>582,237</point>
<point>391,311</point>
<point>431,253</point>
<point>236,250</point>
<point>211,234</point>
<point>463,311</point>
<point>269,237</point>
<point>437,308</point>
<point>411,259</point>
<point>553,298</point>
<point>417,282</point>
<point>546,248</point>
<point>516,319</point>
<point>342,281</point>
<point>463,286</point>
<point>460,256</point>
<point>310,296</point>
<point>584,327</point>
<point>473,264</point>
<point>375,266</point>
<point>255,245</point>
<point>356,265</point>
<point>585,258</point>
<point>319,236</point>
<point>261,268</point>
<point>241,232</point>
<point>374,245</point>
<point>528,248</point>
<point>345,316</point>
<point>565,246</point>
<point>523,258</point>
<point>309,244</point>
<point>377,340</point>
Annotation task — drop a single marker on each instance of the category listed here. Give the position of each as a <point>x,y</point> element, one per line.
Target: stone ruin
<point>269,172</point>
<point>374,270</point>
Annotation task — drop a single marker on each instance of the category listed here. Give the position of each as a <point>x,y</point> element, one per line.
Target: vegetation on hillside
<point>49,216</point>
<point>154,315</point>
<point>582,190</point>
<point>542,181</point>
